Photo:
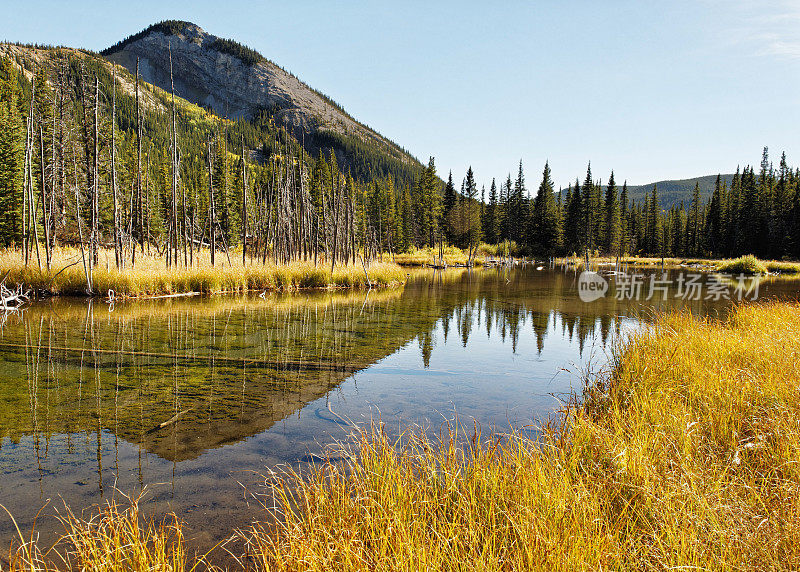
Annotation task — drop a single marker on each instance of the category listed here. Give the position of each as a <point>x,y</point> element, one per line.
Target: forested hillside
<point>91,155</point>
<point>672,192</point>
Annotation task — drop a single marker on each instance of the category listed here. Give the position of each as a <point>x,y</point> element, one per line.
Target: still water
<point>193,399</point>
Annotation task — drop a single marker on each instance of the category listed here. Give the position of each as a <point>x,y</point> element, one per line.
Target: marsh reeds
<point>151,278</point>
<point>115,538</point>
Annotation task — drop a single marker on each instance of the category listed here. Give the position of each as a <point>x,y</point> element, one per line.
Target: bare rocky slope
<point>208,74</point>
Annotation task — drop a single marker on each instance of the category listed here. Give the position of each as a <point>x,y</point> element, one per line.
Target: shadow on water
<point>192,398</point>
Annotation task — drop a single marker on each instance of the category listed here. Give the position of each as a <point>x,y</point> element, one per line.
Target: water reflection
<point>190,396</point>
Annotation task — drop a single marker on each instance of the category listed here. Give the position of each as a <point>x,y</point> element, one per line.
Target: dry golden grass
<point>429,256</point>
<point>637,261</point>
<point>150,277</point>
<point>685,455</point>
<point>783,267</point>
<point>748,264</point>
<point>115,539</point>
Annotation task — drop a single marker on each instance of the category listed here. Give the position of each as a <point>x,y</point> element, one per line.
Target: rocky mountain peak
<point>236,81</point>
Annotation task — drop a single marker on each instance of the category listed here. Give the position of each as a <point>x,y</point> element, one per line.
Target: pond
<point>193,399</point>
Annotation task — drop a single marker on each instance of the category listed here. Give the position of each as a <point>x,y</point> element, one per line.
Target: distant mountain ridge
<point>672,192</point>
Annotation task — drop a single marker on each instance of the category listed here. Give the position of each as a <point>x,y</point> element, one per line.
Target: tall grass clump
<point>113,539</point>
<point>686,455</point>
<point>747,264</point>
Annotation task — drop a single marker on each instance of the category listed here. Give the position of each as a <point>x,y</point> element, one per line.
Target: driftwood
<point>12,299</point>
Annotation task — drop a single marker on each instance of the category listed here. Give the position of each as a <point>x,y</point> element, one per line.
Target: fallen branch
<point>169,421</point>
<point>53,279</point>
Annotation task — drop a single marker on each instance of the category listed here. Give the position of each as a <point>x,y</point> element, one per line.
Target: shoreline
<point>150,278</point>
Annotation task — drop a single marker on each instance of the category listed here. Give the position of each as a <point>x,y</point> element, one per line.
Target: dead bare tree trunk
<point>31,198</point>
<point>45,218</point>
<point>192,230</point>
<point>244,205</point>
<point>95,219</point>
<point>184,225</point>
<point>55,193</point>
<point>174,229</point>
<point>117,244</point>
<point>25,225</point>
<point>211,209</point>
<point>149,234</point>
<point>137,208</point>
<point>335,224</point>
<point>87,268</point>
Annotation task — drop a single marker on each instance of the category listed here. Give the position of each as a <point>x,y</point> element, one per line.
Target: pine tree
<point>612,218</point>
<point>780,235</point>
<point>574,235</point>
<point>492,216</point>
<point>545,232</point>
<point>518,207</point>
<point>11,157</point>
<point>749,214</point>
<point>472,211</point>
<point>678,230</point>
<point>694,230</point>
<point>432,203</point>
<point>449,202</point>
<point>654,238</point>
<point>714,222</point>
<point>482,205</point>
<point>794,218</point>
<point>407,219</point>
<point>624,235</point>
<point>764,201</point>
<point>588,192</point>
<point>732,218</point>
<point>507,210</point>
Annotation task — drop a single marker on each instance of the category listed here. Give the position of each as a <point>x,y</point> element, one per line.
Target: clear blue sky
<point>654,90</point>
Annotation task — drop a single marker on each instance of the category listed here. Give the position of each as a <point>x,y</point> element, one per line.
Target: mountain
<point>672,192</point>
<point>237,82</point>
<point>217,79</point>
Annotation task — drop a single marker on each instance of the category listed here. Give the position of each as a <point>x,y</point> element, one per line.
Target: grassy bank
<point>748,264</point>
<point>782,267</point>
<point>684,455</point>
<point>150,277</point>
<point>640,262</point>
<point>454,255</point>
<point>430,256</point>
